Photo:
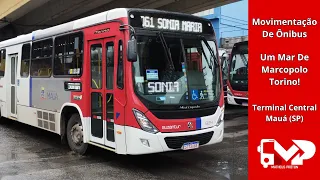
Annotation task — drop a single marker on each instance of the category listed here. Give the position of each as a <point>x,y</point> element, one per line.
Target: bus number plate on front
<point>244,104</point>
<point>190,145</point>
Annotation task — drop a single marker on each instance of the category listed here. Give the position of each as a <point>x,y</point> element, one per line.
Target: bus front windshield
<point>225,66</point>
<point>239,70</point>
<point>175,71</point>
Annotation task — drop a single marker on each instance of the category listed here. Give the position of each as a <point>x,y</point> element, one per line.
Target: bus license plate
<point>190,145</point>
<point>244,104</point>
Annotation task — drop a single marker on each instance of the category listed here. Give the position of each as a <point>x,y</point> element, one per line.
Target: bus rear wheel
<point>75,135</point>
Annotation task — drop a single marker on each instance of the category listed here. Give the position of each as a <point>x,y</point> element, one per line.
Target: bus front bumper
<point>141,142</point>
<point>234,100</point>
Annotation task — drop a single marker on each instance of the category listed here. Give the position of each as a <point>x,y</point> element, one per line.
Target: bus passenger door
<point>101,65</point>
<point>13,85</point>
<point>109,49</point>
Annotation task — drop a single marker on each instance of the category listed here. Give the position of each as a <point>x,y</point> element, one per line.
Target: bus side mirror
<point>132,50</point>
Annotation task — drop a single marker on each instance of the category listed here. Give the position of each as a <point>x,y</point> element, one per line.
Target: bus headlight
<point>229,91</point>
<point>144,122</point>
<point>220,120</point>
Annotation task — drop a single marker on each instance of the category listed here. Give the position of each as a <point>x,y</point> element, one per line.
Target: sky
<point>234,19</point>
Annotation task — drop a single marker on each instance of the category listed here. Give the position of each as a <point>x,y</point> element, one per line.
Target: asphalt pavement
<point>30,153</point>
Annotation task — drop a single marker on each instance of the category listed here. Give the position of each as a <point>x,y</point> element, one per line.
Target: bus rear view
<point>237,93</point>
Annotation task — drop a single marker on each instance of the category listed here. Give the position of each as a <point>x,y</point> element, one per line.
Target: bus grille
<point>178,141</point>
<point>240,101</point>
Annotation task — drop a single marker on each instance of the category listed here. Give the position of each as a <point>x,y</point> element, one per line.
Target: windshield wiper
<point>205,57</point>
<point>167,51</point>
<point>211,52</point>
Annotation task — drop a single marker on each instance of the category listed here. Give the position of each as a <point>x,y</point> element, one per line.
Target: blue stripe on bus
<point>30,92</point>
<point>198,123</point>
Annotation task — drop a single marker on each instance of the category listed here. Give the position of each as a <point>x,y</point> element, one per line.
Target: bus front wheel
<point>75,135</point>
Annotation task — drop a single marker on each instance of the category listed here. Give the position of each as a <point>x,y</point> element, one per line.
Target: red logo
<point>275,156</point>
<point>190,125</point>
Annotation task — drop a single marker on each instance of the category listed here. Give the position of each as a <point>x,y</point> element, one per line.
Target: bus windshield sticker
<point>203,95</point>
<point>152,74</point>
<point>183,68</point>
<point>163,87</point>
<point>160,98</point>
<point>74,71</point>
<point>139,79</point>
<point>199,94</point>
<point>195,95</point>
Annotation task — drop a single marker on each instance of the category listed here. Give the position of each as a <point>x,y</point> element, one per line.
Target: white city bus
<point>131,81</point>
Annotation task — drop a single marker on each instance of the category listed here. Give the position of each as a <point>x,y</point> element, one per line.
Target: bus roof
<point>240,43</point>
<point>240,46</point>
<point>79,24</point>
<point>67,27</point>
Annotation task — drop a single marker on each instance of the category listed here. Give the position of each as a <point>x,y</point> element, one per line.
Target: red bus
<point>122,80</point>
<point>237,91</point>
<point>224,61</point>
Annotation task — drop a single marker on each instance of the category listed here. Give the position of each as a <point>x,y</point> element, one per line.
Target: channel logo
<point>273,155</point>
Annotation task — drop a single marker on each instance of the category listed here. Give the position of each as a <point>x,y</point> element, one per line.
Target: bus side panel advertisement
<point>284,141</point>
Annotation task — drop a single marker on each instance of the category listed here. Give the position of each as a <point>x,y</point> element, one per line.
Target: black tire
<point>80,148</point>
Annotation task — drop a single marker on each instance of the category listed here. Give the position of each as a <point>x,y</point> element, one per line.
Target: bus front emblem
<point>190,125</point>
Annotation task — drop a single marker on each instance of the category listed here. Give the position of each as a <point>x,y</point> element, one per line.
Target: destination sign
<point>171,24</point>
<point>72,86</point>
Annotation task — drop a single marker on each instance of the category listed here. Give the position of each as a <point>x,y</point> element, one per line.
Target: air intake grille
<point>240,101</point>
<point>46,120</point>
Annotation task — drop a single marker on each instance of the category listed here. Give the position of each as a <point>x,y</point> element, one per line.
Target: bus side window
<point>25,60</point>
<point>120,73</point>
<point>110,116</point>
<point>96,114</point>
<point>110,64</point>
<point>2,62</point>
<point>41,61</point>
<point>68,56</point>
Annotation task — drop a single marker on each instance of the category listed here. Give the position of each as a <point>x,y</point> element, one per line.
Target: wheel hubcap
<point>77,134</point>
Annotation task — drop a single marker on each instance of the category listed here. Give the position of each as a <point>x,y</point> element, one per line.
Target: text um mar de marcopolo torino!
<point>287,71</point>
